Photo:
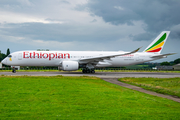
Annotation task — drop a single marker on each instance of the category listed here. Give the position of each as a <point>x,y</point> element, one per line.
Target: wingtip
<point>172,53</point>
<point>138,49</point>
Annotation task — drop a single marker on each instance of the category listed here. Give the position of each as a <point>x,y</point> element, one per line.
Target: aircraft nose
<point>4,61</point>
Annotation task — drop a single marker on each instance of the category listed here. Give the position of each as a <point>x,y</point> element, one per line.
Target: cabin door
<point>20,56</point>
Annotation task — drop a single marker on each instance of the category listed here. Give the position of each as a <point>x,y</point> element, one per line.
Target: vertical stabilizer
<point>157,45</point>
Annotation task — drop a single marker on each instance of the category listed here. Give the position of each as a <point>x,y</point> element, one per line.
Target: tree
<point>177,61</point>
<point>2,56</point>
<point>165,63</point>
<point>8,52</point>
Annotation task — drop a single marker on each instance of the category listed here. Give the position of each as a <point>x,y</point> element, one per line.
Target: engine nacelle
<point>70,65</point>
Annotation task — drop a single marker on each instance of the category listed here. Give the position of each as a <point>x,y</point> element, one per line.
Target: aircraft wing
<point>163,55</point>
<point>101,58</point>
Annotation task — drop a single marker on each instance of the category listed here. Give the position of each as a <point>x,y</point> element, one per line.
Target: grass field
<point>169,86</point>
<point>59,97</point>
<point>137,67</point>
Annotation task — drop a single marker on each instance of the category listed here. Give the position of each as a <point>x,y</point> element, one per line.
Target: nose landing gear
<point>13,70</point>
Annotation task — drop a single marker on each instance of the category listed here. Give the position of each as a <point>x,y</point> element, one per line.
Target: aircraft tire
<point>88,71</point>
<point>93,71</point>
<point>13,71</point>
<point>84,71</point>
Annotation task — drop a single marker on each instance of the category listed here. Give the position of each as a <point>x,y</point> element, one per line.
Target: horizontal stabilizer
<point>163,55</point>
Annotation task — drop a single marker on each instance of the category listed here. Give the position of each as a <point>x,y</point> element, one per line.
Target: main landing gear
<point>88,70</point>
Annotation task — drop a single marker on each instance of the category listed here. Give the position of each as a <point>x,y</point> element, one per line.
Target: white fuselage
<point>54,58</point>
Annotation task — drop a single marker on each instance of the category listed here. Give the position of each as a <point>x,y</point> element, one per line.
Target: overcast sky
<point>105,25</point>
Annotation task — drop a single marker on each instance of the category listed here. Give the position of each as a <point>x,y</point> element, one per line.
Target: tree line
<point>177,61</point>
<point>2,55</point>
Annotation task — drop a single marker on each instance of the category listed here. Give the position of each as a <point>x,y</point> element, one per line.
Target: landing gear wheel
<point>84,71</point>
<point>13,71</point>
<point>88,71</point>
<point>93,71</point>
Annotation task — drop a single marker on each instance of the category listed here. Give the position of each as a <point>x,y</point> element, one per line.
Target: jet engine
<point>70,65</point>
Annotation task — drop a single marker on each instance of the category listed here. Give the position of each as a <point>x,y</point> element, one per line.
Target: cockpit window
<point>9,56</point>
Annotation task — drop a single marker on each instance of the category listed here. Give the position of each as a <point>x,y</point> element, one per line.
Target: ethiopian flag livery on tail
<point>157,45</point>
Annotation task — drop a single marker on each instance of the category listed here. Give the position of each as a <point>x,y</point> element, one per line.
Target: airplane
<point>88,60</point>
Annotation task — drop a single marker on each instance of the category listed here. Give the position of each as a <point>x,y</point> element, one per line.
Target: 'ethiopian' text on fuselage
<point>45,55</point>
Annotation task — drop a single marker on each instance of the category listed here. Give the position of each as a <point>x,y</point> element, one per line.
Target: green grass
<point>137,66</point>
<point>59,97</point>
<point>170,86</point>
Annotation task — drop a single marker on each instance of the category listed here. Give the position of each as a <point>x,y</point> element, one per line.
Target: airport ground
<point>98,74</point>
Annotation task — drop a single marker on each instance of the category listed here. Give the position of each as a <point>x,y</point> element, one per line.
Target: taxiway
<point>97,74</point>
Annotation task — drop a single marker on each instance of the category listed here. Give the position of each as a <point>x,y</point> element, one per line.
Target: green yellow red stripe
<point>156,47</point>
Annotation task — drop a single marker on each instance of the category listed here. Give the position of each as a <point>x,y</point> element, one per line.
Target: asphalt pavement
<point>97,74</point>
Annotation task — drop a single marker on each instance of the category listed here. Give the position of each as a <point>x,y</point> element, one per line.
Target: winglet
<point>130,52</point>
<point>136,50</point>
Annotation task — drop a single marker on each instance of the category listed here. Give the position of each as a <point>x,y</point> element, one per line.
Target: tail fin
<point>157,45</point>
